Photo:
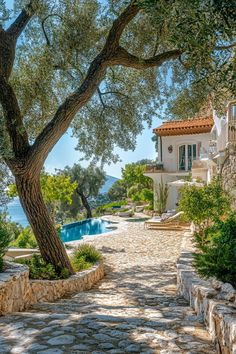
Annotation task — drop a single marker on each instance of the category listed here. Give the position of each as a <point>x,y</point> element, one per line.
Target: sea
<point>16,212</point>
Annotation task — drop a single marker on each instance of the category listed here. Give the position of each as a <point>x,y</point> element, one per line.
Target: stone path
<point>135,308</point>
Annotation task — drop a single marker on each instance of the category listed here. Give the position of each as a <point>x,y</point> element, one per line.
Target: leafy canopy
<point>56,189</point>
<point>88,181</point>
<point>61,40</point>
<point>206,33</point>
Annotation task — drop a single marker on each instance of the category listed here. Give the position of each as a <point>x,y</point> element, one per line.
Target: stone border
<point>18,292</point>
<point>50,290</point>
<point>213,300</point>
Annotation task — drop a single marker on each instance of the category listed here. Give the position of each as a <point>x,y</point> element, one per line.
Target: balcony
<point>154,168</point>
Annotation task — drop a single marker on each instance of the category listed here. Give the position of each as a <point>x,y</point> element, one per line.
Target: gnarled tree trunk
<point>50,245</point>
<point>86,205</point>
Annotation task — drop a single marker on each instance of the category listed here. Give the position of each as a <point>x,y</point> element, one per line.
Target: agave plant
<point>162,195</point>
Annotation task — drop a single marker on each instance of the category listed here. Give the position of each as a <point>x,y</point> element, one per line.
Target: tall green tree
<point>56,190</point>
<point>88,183</point>
<point>118,191</point>
<point>208,61</point>
<point>97,67</point>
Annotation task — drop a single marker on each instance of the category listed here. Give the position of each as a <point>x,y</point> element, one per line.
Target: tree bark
<point>50,245</point>
<point>86,205</point>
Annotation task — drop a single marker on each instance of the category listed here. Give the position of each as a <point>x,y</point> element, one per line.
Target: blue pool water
<point>76,230</point>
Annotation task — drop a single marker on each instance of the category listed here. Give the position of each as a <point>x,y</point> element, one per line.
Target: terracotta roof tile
<point>183,127</point>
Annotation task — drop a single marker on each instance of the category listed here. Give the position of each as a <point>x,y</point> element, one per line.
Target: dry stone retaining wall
<point>213,300</point>
<point>18,292</point>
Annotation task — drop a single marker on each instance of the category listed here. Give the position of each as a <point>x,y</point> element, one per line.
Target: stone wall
<point>213,300</point>
<point>50,290</point>
<point>228,172</point>
<point>18,292</point>
<point>15,289</point>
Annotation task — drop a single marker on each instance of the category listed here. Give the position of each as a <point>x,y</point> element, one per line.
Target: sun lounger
<point>172,222</point>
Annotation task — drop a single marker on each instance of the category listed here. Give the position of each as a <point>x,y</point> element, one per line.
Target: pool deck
<point>134,309</point>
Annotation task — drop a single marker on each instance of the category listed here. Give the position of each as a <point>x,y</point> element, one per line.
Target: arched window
<point>187,153</point>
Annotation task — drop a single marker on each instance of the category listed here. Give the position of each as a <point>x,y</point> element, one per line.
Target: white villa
<point>197,146</point>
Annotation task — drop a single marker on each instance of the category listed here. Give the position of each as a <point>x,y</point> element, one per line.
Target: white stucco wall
<point>173,192</point>
<point>170,160</point>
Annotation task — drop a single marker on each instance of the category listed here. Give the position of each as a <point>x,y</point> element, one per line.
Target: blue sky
<point>64,152</point>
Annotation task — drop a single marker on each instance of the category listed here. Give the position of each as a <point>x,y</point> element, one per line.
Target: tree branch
<point>13,119</point>
<point>17,27</point>
<point>96,72</point>
<point>123,57</point>
<point>111,54</point>
<point>119,25</point>
<point>43,26</point>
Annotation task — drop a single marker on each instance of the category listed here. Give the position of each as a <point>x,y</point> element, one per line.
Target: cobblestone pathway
<point>135,309</point>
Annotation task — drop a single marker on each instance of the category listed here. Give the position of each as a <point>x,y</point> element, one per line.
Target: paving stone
<point>36,346</point>
<point>135,309</point>
<point>51,351</point>
<point>61,340</point>
<point>133,348</point>
<point>106,346</point>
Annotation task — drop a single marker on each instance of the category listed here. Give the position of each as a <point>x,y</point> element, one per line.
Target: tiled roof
<point>183,127</point>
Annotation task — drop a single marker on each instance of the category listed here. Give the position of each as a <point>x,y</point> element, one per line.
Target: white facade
<point>198,153</point>
<point>170,148</point>
<point>170,160</point>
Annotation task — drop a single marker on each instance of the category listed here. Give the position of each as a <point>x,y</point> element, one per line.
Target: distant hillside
<point>108,184</point>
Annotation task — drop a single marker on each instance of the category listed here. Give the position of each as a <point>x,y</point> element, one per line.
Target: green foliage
<point>88,182</point>
<point>39,269</point>
<point>102,209</point>
<point>26,239</point>
<point>161,196</point>
<point>5,239</point>
<point>118,190</point>
<point>85,256</point>
<point>133,174</point>
<point>217,257</point>
<point>133,184</point>
<point>208,65</point>
<point>139,194</point>
<point>204,205</point>
<point>5,179</point>
<point>56,189</point>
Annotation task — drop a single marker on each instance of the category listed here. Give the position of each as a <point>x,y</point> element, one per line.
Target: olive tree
<point>88,182</point>
<point>96,67</point>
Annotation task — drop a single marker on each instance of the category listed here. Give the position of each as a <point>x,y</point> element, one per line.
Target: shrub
<point>217,256</point>
<point>205,204</point>
<point>39,269</point>
<point>5,239</point>
<point>26,239</point>
<point>85,256</point>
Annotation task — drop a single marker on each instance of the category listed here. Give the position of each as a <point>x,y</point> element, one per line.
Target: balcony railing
<point>155,167</point>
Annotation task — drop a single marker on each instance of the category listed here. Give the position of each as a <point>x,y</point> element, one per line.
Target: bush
<point>85,256</point>
<point>39,269</point>
<point>217,256</point>
<point>108,207</point>
<point>26,239</point>
<point>5,239</point>
<point>205,204</point>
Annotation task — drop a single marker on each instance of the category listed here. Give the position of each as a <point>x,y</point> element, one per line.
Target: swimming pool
<point>76,230</point>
